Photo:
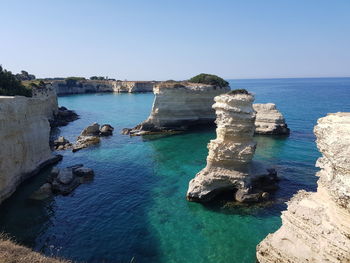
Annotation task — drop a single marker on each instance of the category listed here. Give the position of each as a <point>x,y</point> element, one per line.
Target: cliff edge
<point>316,226</point>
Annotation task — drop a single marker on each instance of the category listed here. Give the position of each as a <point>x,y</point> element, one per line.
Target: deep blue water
<point>136,208</point>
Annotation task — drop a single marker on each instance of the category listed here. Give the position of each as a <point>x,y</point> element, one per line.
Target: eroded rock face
<point>177,106</point>
<point>229,164</point>
<point>269,120</point>
<point>24,136</point>
<point>133,86</point>
<point>316,226</point>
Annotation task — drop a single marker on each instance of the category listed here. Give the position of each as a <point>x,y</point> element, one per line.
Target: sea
<point>135,210</point>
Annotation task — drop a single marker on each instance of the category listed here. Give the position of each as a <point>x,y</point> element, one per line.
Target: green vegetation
<point>209,79</point>
<point>11,86</point>
<point>238,91</point>
<point>24,75</point>
<point>98,78</point>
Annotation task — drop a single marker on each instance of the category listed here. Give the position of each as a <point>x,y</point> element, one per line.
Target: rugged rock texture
<point>66,87</point>
<point>269,120</point>
<point>178,106</point>
<point>229,164</point>
<point>62,143</point>
<point>316,226</point>
<point>133,86</point>
<point>63,117</point>
<point>106,130</point>
<point>24,136</point>
<point>48,97</point>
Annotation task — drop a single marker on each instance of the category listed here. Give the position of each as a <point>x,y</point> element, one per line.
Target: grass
<point>10,252</point>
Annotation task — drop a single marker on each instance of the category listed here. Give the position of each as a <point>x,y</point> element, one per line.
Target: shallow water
<point>136,206</point>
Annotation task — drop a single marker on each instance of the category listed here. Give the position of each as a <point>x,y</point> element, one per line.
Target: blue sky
<point>176,39</point>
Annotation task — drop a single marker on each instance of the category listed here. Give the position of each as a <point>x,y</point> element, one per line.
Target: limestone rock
<point>178,106</point>
<point>63,117</point>
<point>106,130</point>
<point>85,141</point>
<point>133,86</point>
<point>69,178</point>
<point>316,226</point>
<point>62,143</point>
<point>24,136</point>
<point>92,130</point>
<point>269,120</point>
<point>229,164</point>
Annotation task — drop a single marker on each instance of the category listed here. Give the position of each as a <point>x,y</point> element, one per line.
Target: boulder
<point>85,141</point>
<point>92,130</point>
<point>106,130</point>
<point>45,191</point>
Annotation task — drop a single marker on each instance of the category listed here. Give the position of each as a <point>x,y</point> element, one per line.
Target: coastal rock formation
<point>91,135</point>
<point>178,106</point>
<point>81,86</point>
<point>63,181</point>
<point>229,165</point>
<point>48,97</point>
<point>62,144</point>
<point>24,135</point>
<point>63,117</point>
<point>133,86</point>
<point>269,120</point>
<point>316,226</point>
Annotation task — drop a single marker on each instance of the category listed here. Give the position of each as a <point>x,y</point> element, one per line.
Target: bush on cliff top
<point>11,86</point>
<point>209,79</point>
<point>238,91</point>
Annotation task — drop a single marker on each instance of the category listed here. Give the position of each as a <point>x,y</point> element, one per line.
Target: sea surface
<point>135,208</point>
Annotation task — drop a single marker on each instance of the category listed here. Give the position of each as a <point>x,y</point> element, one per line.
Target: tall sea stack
<point>229,162</point>
<point>316,226</point>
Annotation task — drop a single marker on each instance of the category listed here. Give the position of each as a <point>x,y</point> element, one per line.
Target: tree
<point>209,79</point>
<point>11,86</point>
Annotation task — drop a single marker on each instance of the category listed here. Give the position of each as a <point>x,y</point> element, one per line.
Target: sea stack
<point>316,226</point>
<point>178,106</point>
<point>229,162</point>
<point>269,120</point>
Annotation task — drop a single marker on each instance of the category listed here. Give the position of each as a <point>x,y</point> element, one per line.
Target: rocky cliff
<point>24,136</point>
<point>72,86</point>
<point>269,120</point>
<point>229,165</point>
<point>177,106</point>
<point>316,226</point>
<point>133,86</point>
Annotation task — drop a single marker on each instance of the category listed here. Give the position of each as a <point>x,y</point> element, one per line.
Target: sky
<point>176,39</point>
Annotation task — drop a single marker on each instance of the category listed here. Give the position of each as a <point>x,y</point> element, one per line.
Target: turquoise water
<point>136,206</point>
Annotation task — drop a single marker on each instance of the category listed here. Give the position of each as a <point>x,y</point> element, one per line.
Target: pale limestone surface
<point>177,106</point>
<point>230,154</point>
<point>316,226</point>
<point>63,87</point>
<point>269,120</point>
<point>133,86</point>
<point>24,136</point>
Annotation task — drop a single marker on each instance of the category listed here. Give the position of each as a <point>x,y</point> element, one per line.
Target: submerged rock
<point>316,225</point>
<point>229,165</point>
<point>44,192</point>
<point>64,181</point>
<point>269,120</point>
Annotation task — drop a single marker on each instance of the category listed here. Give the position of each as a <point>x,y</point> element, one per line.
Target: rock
<point>92,130</point>
<point>84,172</point>
<point>269,120</point>
<point>126,131</point>
<point>70,178</point>
<point>63,117</point>
<point>24,136</point>
<point>106,130</point>
<point>178,106</point>
<point>133,86</point>
<point>62,143</point>
<point>85,141</point>
<point>65,176</point>
<point>45,191</point>
<point>316,225</point>
<point>229,165</point>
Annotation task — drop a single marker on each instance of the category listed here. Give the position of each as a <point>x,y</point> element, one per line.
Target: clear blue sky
<point>176,39</point>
